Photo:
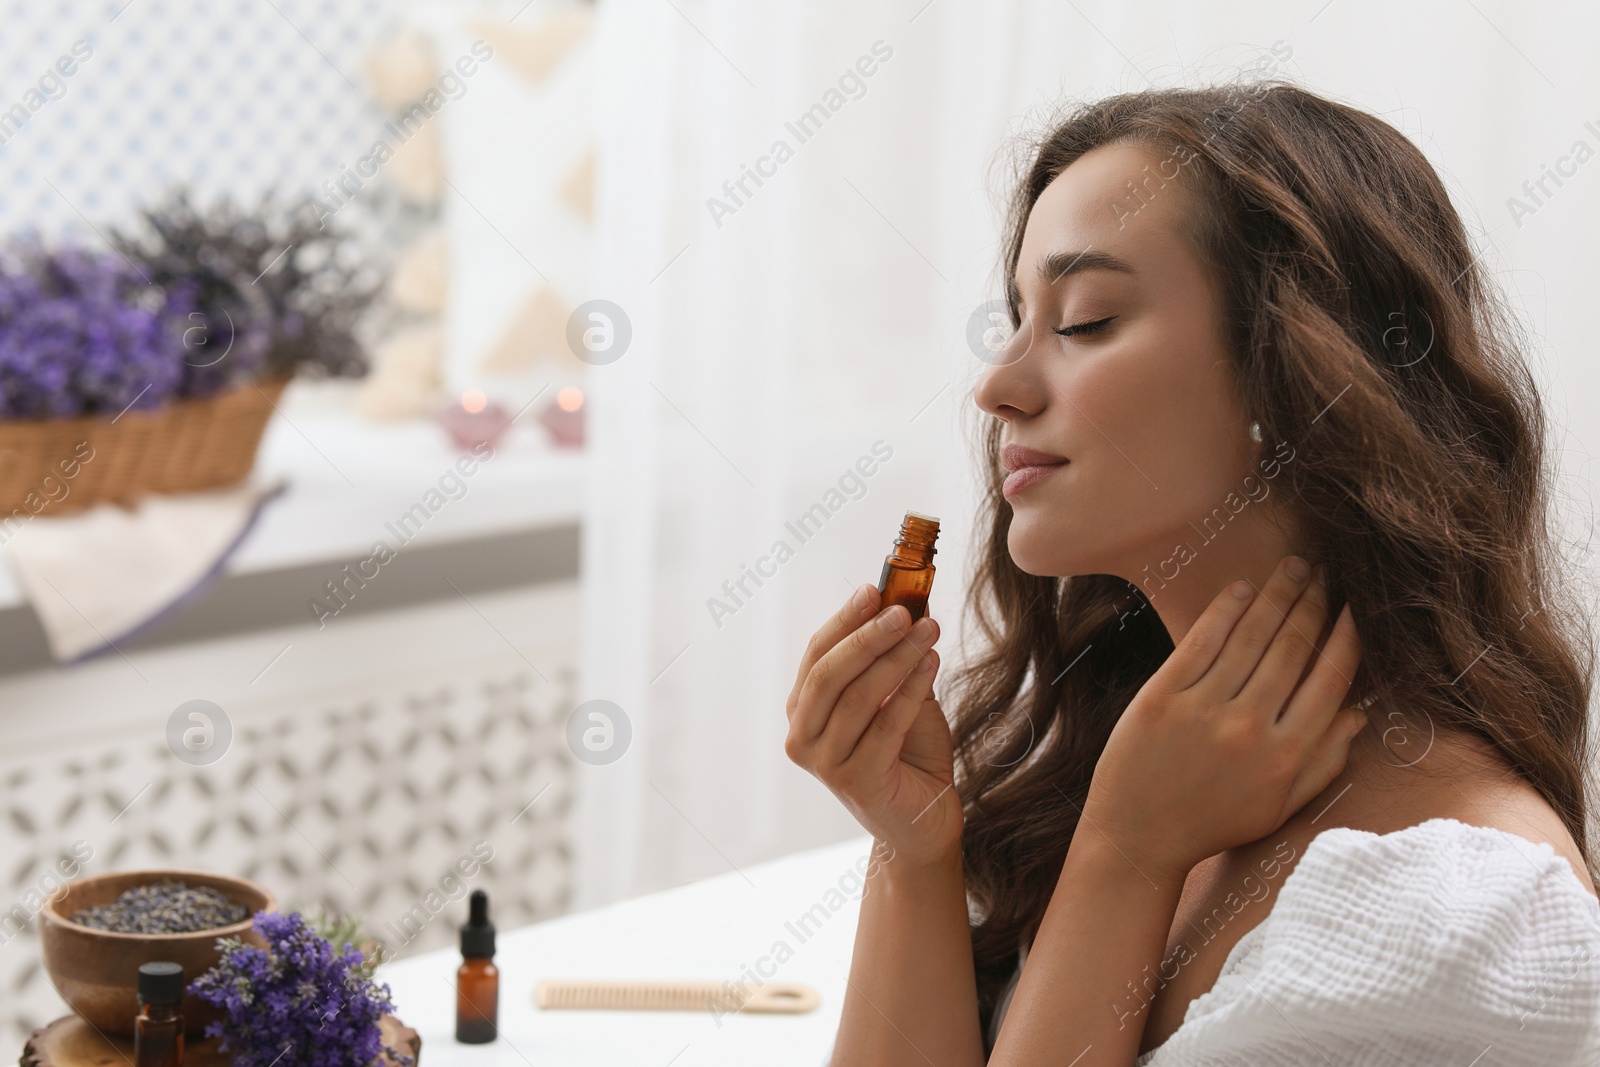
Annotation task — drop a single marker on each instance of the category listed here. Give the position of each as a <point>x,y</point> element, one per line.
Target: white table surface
<point>715,929</point>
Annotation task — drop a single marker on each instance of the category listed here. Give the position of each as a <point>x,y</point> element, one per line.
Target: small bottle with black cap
<point>158,1031</point>
<point>477,980</point>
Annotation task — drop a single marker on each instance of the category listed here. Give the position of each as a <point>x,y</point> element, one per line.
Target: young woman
<point>1197,804</point>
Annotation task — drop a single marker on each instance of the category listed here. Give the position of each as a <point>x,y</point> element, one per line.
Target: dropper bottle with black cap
<point>477,980</point>
<point>158,1031</point>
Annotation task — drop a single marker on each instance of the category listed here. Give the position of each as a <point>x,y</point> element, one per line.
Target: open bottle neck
<point>915,542</point>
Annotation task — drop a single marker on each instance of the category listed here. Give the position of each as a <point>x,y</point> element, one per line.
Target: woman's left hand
<point>1225,741</point>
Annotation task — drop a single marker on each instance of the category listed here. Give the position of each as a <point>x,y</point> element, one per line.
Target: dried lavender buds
<point>167,907</point>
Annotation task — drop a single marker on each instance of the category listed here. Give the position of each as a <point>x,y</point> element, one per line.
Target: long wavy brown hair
<point>1366,335</point>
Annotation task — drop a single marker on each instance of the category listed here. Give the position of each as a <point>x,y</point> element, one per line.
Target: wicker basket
<point>203,443</point>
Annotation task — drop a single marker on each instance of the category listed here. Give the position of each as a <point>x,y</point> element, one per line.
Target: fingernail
<point>1320,572</point>
<point>1298,568</point>
<point>860,600</point>
<point>925,664</point>
<point>889,621</point>
<point>922,630</point>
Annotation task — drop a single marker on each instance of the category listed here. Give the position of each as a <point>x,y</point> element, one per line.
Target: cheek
<point>1080,519</point>
<point>1167,417</point>
<point>1151,440</point>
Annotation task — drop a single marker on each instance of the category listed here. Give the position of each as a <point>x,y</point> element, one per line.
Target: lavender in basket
<point>286,292</point>
<point>187,303</point>
<point>82,333</point>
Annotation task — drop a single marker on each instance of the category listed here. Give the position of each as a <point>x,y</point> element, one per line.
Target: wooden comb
<point>599,994</point>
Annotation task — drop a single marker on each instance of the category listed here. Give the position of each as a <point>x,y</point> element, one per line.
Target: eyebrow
<point>1053,266</point>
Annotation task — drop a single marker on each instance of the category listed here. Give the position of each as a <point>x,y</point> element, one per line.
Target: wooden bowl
<point>97,971</point>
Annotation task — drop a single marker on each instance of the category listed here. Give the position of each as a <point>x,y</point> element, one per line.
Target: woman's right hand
<point>863,720</point>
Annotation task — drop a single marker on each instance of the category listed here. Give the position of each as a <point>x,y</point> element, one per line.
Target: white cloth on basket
<point>99,576</point>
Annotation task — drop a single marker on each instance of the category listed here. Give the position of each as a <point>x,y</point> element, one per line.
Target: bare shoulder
<point>1518,808</point>
<point>1463,779</point>
<point>1382,790</point>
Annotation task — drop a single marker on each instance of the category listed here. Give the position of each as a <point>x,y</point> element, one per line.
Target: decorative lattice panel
<point>233,98</point>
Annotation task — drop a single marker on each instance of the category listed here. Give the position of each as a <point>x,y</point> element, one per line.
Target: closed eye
<point>1084,327</point>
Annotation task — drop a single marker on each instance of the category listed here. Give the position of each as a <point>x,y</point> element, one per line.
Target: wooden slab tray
<point>72,1042</point>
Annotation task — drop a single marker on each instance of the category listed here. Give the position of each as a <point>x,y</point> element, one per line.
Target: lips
<point>1026,466</point>
<point>1014,457</point>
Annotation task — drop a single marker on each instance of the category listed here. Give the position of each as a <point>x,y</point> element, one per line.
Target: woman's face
<point>1143,409</point>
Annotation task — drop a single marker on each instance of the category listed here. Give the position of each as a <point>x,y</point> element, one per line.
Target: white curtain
<point>774,344</point>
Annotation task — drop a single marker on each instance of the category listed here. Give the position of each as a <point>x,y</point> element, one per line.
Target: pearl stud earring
<point>1255,432</point>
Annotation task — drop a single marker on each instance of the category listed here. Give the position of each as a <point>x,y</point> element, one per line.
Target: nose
<point>1010,388</point>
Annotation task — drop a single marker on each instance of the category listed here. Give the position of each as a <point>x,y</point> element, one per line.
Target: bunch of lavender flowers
<point>296,1003</point>
<point>287,293</point>
<point>83,333</point>
<point>211,259</point>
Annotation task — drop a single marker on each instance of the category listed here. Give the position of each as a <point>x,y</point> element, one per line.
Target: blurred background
<point>427,427</point>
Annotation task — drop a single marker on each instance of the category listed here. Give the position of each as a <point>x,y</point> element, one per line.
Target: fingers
<point>864,700</point>
<point>1250,638</point>
<point>1194,654</point>
<point>840,667</point>
<point>1325,687</point>
<point>861,606</point>
<point>885,732</point>
<point>1329,754</point>
<point>1270,685</point>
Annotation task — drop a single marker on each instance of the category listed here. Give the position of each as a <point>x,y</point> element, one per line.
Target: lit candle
<point>474,420</point>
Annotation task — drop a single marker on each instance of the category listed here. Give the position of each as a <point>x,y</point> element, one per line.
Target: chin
<point>1055,550</point>
<point>1031,552</point>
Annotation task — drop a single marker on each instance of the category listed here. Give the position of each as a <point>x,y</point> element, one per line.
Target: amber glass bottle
<point>908,571</point>
<point>477,980</point>
<point>158,1031</point>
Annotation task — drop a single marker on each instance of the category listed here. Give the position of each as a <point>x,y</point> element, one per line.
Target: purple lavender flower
<point>82,333</point>
<point>194,303</point>
<point>297,1003</point>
